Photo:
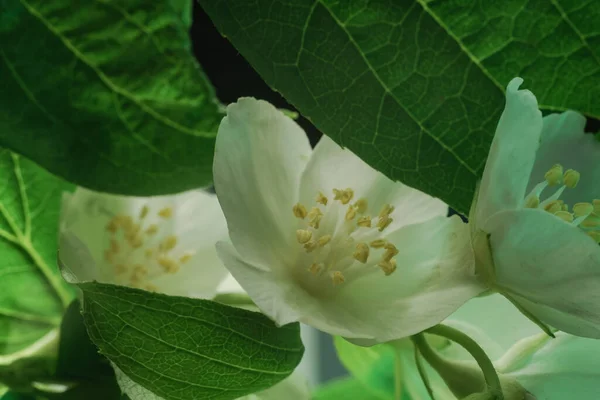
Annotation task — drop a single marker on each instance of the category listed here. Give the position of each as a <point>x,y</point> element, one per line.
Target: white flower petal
<point>333,167</point>
<point>567,367</point>
<point>555,266</point>
<point>259,157</point>
<point>75,260</point>
<point>564,142</point>
<point>230,285</point>
<point>433,279</point>
<point>512,154</point>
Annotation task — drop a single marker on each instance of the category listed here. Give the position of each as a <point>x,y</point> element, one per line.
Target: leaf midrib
<point>390,93</point>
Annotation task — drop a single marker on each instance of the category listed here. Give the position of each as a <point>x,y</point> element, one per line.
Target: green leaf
<point>372,366</point>
<point>554,45</point>
<point>347,389</point>
<point>183,348</point>
<point>80,363</point>
<point>33,295</point>
<point>107,93</point>
<point>415,88</point>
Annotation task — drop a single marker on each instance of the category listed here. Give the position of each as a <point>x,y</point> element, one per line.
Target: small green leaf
<point>107,94</point>
<point>415,88</point>
<point>33,295</point>
<point>180,348</point>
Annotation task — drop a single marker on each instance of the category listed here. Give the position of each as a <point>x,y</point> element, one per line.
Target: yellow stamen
<point>571,178</point>
<point>344,196</point>
<point>166,212</point>
<point>144,211</point>
<point>152,229</point>
<point>140,271</point>
<point>322,199</point>
<point>565,207</point>
<point>365,221</point>
<point>136,241</point>
<point>169,265</point>
<point>113,225</point>
<point>185,258</point>
<point>310,246</point>
<point>532,202</point>
<point>565,216</point>
<point>351,213</point>
<point>362,253</point>
<point>581,209</point>
<point>299,211</point>
<point>315,268</point>
<point>388,267</point>
<point>386,210</point>
<point>390,251</point>
<point>361,205</point>
<point>592,221</point>
<point>554,175</point>
<point>169,243</point>
<point>554,206</point>
<point>120,269</point>
<point>596,203</point>
<point>127,223</point>
<point>314,217</point>
<point>151,288</point>
<point>114,246</point>
<point>303,236</point>
<point>149,253</point>
<point>323,240</point>
<point>378,244</point>
<point>337,277</point>
<point>384,222</point>
<point>108,256</point>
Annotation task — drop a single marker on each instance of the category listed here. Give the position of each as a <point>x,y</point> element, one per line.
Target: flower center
<point>584,215</point>
<point>341,241</point>
<point>139,252</point>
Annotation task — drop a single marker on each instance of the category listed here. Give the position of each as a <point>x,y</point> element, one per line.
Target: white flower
<point>536,221</point>
<point>566,367</point>
<point>322,238</point>
<point>163,243</point>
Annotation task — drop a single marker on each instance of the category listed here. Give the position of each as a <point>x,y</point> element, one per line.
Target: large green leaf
<point>106,93</point>
<point>553,44</point>
<point>182,348</point>
<point>415,88</point>
<point>33,295</point>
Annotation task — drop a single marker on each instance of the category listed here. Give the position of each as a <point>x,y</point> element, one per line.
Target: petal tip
<point>514,84</point>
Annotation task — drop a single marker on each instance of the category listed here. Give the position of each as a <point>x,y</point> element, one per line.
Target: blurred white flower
<point>163,243</point>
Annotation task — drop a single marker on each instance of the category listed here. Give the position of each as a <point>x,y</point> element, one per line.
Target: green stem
<point>487,367</point>
<point>423,373</point>
<point>398,377</point>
